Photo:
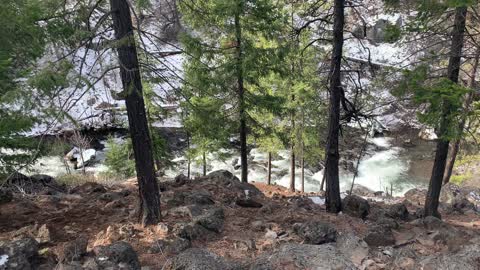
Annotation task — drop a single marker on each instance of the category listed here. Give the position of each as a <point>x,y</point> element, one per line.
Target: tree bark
<point>435,186</point>
<point>269,177</point>
<point>332,198</point>
<point>292,168</point>
<point>132,85</point>
<point>204,158</point>
<point>461,125</point>
<point>241,98</point>
<point>303,176</point>
<point>188,162</point>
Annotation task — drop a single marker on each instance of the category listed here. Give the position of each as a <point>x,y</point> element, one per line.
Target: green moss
<point>459,179</point>
<point>466,160</point>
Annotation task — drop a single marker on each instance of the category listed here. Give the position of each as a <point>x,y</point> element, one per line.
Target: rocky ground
<point>210,223</point>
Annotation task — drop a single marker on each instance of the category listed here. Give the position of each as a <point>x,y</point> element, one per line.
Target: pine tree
<point>333,200</point>
<point>229,48</point>
<point>138,125</point>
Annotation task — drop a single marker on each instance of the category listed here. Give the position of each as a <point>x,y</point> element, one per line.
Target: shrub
<point>119,158</point>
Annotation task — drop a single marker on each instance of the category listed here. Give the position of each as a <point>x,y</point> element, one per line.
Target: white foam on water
<point>3,259</point>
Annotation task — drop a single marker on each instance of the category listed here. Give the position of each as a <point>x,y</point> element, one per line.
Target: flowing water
<point>386,168</point>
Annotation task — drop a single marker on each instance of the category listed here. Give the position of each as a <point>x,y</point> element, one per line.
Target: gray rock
<point>74,250</point>
<point>119,255</point>
<point>316,232</point>
<point>211,219</point>
<point>468,258</point>
<point>432,223</point>
<point>180,180</point>
<point>360,190</point>
<point>172,246</point>
<point>198,259</point>
<point>416,196</point>
<point>191,231</point>
<point>199,197</point>
<point>356,206</point>
<point>42,178</point>
<point>352,247</point>
<point>398,211</point>
<point>297,256</point>
<point>379,236</point>
<point>387,223</point>
<point>6,196</point>
<point>20,254</point>
<point>258,226</point>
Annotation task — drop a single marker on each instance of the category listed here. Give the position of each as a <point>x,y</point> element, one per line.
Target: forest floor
<point>107,214</point>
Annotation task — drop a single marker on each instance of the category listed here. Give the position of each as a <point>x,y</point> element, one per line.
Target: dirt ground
<point>85,212</point>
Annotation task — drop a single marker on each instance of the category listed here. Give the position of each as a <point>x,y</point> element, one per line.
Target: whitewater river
<point>386,166</point>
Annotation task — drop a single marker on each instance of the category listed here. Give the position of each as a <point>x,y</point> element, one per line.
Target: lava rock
<point>248,203</point>
<point>316,232</point>
<point>379,236</point>
<point>298,256</point>
<point>356,206</point>
<point>172,246</point>
<point>73,251</point>
<point>19,254</point>
<point>398,211</point>
<point>198,259</point>
<point>119,255</point>
<point>211,219</point>
<point>6,196</point>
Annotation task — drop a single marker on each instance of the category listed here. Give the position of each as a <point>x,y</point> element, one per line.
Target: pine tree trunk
<point>292,169</point>
<point>189,162</point>
<point>204,158</point>
<point>461,125</point>
<point>435,186</point>
<point>269,177</point>
<point>303,176</point>
<point>138,126</point>
<point>241,100</point>
<point>332,199</point>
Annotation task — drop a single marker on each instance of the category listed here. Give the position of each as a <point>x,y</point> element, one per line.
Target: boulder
<point>198,259</point>
<point>88,188</point>
<point>199,197</point>
<point>387,223</point>
<point>170,246</point>
<point>356,206</point>
<point>211,219</point>
<point>363,191</point>
<point>6,196</point>
<point>227,179</point>
<point>180,180</point>
<point>378,236</point>
<point>353,247</point>
<point>416,196</point>
<point>248,203</point>
<point>119,255</point>
<point>468,258</point>
<point>19,254</point>
<point>398,211</point>
<point>73,251</point>
<point>191,231</point>
<point>298,256</point>
<point>43,178</point>
<point>316,232</point>
<point>449,193</point>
